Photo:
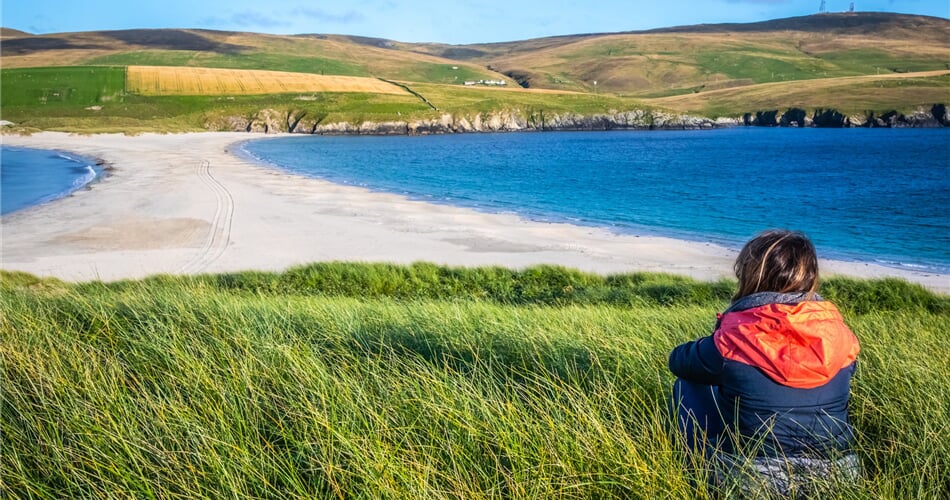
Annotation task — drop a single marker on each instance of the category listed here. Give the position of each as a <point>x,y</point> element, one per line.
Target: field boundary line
<point>413,92</point>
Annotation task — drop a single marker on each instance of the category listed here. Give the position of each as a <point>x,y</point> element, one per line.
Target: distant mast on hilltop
<point>823,10</point>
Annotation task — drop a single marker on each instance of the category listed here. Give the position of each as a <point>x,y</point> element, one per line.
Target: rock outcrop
<point>297,121</point>
<point>830,118</point>
<point>936,116</point>
<point>303,122</point>
<point>941,114</point>
<point>794,117</point>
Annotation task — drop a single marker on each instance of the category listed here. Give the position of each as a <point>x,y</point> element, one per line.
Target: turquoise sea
<point>873,195</point>
<point>31,177</point>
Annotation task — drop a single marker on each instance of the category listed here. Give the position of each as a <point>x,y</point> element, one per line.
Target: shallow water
<point>868,195</point>
<point>31,177</point>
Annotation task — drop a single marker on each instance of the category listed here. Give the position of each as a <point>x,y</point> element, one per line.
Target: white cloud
<point>348,17</point>
<point>257,20</point>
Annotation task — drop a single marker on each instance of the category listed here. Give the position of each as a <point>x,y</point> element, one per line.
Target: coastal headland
<point>186,204</point>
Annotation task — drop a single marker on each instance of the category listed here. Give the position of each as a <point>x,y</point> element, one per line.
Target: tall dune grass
<point>346,380</point>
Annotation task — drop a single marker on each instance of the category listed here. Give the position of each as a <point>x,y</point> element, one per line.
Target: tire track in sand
<point>219,234</point>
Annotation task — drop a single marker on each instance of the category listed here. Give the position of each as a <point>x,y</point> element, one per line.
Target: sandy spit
<point>184,204</point>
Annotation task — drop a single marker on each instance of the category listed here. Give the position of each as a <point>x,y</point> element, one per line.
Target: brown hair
<point>777,260</point>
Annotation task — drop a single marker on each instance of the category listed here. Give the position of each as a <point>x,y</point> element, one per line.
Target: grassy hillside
<point>680,60</point>
<point>99,99</point>
<point>674,60</point>
<point>850,95</point>
<point>318,54</point>
<point>342,380</point>
<point>809,62</point>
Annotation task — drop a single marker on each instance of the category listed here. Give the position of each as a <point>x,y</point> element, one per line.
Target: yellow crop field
<point>179,80</point>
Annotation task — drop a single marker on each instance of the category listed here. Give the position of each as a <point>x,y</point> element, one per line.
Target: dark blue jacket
<point>783,365</point>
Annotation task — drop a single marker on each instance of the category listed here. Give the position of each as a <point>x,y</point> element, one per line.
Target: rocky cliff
<point>297,121</point>
<point>301,122</point>
<point>935,116</point>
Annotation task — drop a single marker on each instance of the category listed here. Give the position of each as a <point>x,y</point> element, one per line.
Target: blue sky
<point>457,22</point>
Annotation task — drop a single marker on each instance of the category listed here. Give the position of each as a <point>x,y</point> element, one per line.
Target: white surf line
<point>219,234</point>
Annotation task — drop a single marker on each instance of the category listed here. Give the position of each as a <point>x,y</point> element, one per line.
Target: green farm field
<point>61,86</point>
<point>349,380</point>
<point>94,99</point>
<point>97,99</point>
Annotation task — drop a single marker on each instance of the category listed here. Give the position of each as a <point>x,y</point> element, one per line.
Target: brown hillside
<point>696,58</point>
<point>321,54</point>
<point>10,32</point>
<point>645,64</point>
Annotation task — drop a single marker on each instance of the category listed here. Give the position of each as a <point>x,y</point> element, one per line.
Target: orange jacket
<point>799,345</point>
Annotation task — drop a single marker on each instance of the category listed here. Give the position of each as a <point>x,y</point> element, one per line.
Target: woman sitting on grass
<point>765,397</point>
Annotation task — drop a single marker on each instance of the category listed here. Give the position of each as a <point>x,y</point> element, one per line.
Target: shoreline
<point>96,170</point>
<point>189,204</point>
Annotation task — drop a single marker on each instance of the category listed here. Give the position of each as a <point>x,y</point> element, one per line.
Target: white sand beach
<point>182,203</point>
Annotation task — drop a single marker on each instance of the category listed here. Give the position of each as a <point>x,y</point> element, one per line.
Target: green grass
<point>145,58</point>
<point>856,97</point>
<point>871,61</point>
<point>349,380</point>
<point>476,100</point>
<point>644,65</point>
<point>762,67</point>
<point>61,87</point>
<point>441,73</point>
<point>71,93</point>
<point>93,99</point>
<point>282,62</point>
<point>757,65</point>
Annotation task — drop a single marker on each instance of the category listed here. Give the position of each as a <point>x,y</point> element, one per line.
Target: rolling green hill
<point>811,62</point>
<point>319,54</point>
<point>690,58</point>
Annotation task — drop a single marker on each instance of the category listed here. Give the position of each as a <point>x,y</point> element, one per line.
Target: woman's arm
<point>698,361</point>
